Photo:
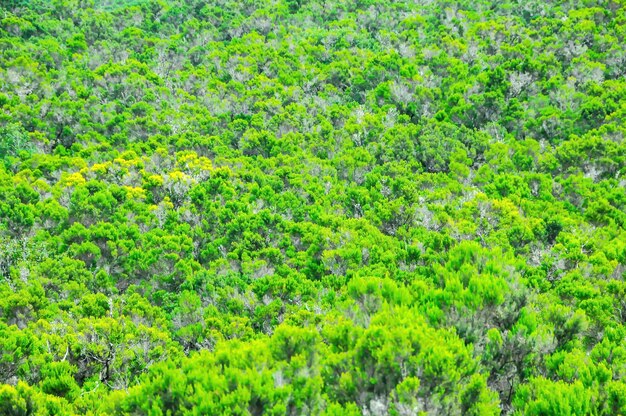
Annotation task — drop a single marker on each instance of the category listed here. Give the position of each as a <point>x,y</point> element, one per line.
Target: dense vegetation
<point>312,207</point>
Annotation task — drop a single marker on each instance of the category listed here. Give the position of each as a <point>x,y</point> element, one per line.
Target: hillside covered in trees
<point>326,207</point>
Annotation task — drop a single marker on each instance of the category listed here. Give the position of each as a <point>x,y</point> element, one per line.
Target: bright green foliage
<point>312,207</point>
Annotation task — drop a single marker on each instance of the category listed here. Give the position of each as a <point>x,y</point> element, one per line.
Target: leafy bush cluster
<point>312,207</point>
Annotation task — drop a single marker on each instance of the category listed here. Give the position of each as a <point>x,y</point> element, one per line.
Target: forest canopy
<point>329,207</point>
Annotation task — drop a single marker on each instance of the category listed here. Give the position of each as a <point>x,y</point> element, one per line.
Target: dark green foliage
<point>13,141</point>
